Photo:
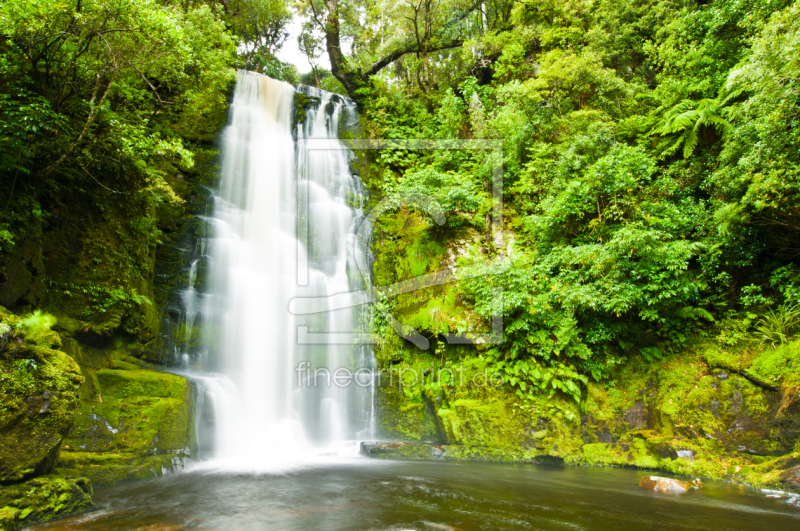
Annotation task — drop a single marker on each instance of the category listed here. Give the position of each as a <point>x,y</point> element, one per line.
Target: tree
<point>311,46</point>
<point>106,92</point>
<point>396,29</point>
<point>260,26</point>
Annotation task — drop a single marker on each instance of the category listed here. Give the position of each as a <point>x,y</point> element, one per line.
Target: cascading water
<point>284,226</point>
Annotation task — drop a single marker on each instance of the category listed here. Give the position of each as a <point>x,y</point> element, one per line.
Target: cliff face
<point>59,435</point>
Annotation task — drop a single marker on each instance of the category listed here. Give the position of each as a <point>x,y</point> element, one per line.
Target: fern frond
<point>690,142</point>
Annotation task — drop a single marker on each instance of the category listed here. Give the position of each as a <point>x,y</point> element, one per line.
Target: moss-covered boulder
<point>39,394</point>
<point>138,424</point>
<point>42,499</point>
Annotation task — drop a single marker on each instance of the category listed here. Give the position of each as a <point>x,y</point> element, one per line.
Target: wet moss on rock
<point>42,499</point>
<point>39,394</point>
<point>139,424</point>
<point>678,415</point>
<point>109,468</point>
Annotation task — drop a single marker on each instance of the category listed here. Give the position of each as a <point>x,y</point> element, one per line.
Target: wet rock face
<point>404,417</point>
<point>636,416</point>
<point>659,484</point>
<point>605,437</point>
<point>750,420</point>
<point>39,390</point>
<point>402,450</point>
<point>786,423</point>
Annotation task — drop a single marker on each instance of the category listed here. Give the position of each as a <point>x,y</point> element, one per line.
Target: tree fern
<point>681,123</point>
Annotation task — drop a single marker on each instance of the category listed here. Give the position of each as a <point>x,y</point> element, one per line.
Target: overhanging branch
<point>394,56</point>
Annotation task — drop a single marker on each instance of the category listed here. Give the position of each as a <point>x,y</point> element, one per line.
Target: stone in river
<point>659,484</point>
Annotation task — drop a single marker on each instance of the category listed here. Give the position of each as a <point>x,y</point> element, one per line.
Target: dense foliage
<point>651,148</point>
<point>118,94</point>
<point>650,165</point>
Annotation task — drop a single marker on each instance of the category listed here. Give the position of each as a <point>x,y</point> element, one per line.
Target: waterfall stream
<point>283,225</point>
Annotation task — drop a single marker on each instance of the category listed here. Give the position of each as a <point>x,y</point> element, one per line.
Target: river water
<point>363,494</point>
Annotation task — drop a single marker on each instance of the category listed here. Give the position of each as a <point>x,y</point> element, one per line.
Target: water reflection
<point>394,496</point>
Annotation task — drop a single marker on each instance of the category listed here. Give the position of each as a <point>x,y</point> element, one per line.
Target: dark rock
<point>666,451</point>
<point>605,437</point>
<point>549,460</point>
<point>636,416</point>
<point>18,280</point>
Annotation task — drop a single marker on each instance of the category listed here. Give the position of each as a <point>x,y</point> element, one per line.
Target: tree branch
<point>394,56</point>
<point>89,121</point>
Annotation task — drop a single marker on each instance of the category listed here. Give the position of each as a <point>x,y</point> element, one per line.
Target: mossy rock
<point>404,414</point>
<point>39,395</point>
<point>111,468</point>
<point>120,384</point>
<point>42,499</point>
<point>136,424</point>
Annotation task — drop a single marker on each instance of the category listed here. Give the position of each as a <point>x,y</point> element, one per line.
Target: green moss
<point>39,390</point>
<point>779,365</point>
<point>114,467</point>
<point>42,499</point>
<point>138,422</point>
<point>302,103</point>
<point>603,454</point>
<point>734,429</point>
<point>404,414</point>
<point>117,384</point>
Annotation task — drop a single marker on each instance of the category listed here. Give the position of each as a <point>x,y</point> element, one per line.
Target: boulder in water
<point>659,484</point>
<point>791,478</point>
<point>402,450</point>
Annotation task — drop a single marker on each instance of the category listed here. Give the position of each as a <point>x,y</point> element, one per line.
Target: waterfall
<point>283,224</point>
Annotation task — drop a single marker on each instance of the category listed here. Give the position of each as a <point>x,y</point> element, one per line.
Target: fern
<point>778,326</point>
<point>681,124</point>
